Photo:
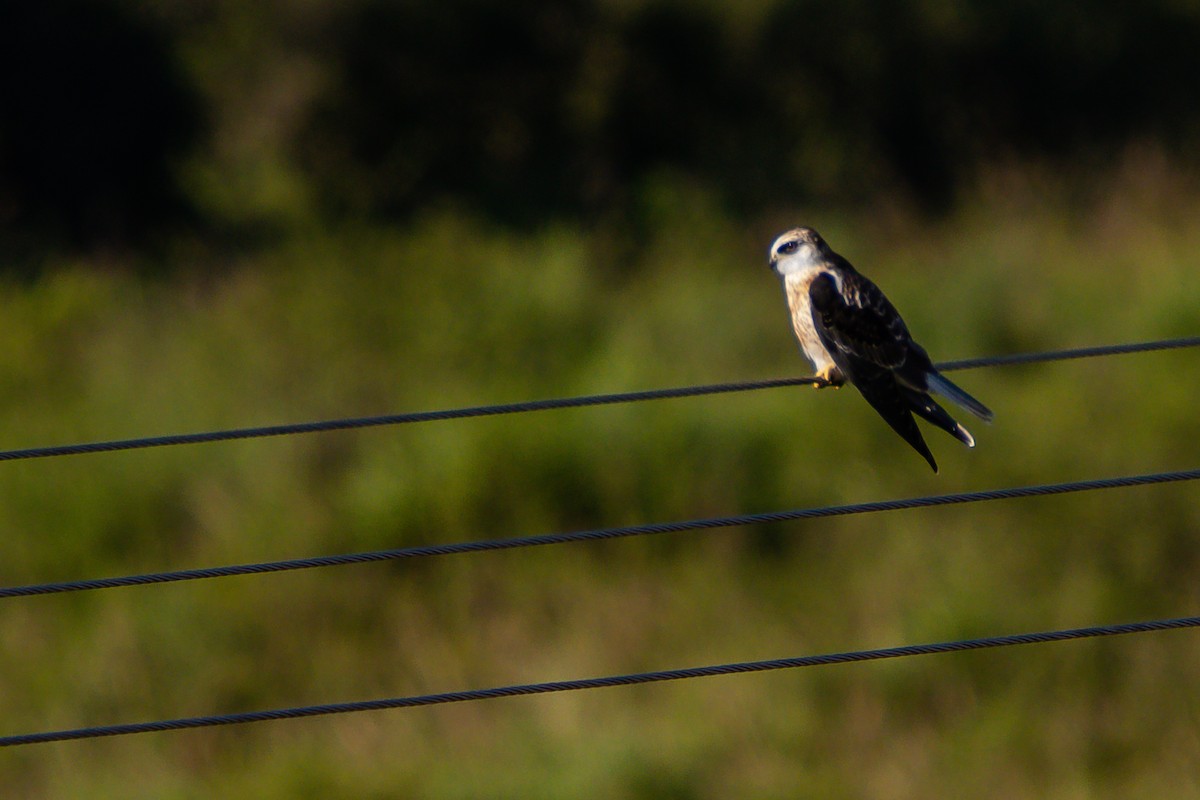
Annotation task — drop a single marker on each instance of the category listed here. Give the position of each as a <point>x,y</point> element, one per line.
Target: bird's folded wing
<point>857,321</point>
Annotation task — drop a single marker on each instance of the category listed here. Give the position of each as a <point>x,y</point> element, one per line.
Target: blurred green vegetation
<point>453,311</point>
<point>299,285</point>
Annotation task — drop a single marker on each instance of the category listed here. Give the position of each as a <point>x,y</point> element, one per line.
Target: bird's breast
<point>795,289</point>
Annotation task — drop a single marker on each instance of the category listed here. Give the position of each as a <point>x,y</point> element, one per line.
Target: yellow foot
<point>829,377</point>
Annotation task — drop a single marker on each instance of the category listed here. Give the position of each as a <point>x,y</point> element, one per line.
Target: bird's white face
<point>798,250</point>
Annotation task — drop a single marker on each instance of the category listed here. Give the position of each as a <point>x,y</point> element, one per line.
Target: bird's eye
<point>787,248</point>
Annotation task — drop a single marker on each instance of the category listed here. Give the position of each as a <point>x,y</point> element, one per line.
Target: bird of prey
<point>851,332</point>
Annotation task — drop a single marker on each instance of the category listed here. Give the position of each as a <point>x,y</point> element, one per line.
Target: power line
<point>600,683</point>
<point>1067,355</point>
<point>546,405</point>
<point>600,534</point>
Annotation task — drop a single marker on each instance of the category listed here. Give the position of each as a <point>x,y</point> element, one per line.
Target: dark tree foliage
<point>469,98</point>
<point>529,110</point>
<point>92,112</point>
<point>533,108</point>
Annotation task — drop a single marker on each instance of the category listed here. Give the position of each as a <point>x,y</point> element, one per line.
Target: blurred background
<point>221,213</point>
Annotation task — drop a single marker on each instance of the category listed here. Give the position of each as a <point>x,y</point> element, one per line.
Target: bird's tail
<point>942,385</point>
<point>924,406</point>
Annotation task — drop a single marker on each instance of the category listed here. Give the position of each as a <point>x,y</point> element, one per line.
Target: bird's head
<point>798,249</point>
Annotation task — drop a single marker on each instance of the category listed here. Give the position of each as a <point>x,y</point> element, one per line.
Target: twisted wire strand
<point>350,423</point>
<point>600,534</point>
<point>600,683</point>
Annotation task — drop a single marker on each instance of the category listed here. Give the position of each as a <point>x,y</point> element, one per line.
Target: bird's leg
<point>829,377</point>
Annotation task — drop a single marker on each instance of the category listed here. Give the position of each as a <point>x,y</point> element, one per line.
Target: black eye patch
<point>787,248</point>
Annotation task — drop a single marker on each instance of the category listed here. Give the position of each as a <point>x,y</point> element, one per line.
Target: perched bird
<point>850,332</point>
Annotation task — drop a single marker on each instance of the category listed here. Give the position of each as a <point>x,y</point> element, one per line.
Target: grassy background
<point>451,311</point>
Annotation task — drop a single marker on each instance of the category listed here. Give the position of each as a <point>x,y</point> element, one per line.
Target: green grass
<point>452,312</point>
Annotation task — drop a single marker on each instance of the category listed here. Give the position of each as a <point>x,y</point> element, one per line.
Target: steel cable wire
<point>601,534</point>
<point>351,423</point>
<point>599,683</point>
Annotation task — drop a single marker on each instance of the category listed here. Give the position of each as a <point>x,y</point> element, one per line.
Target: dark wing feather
<point>924,406</point>
<point>888,398</point>
<point>870,344</point>
<point>858,319</point>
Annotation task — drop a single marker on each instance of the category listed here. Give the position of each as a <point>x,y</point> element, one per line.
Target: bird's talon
<point>825,379</point>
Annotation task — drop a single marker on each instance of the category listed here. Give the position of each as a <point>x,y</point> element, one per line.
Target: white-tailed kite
<point>850,332</point>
